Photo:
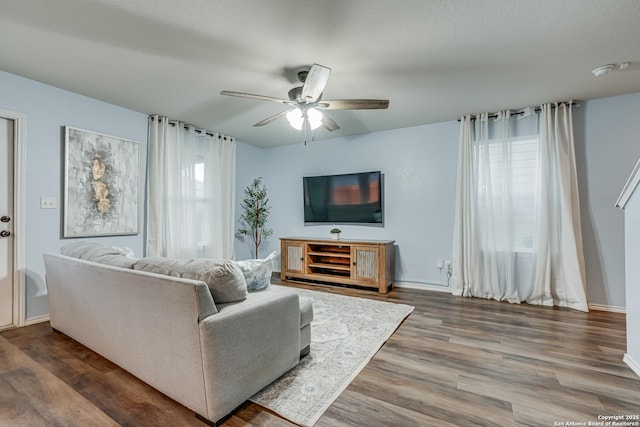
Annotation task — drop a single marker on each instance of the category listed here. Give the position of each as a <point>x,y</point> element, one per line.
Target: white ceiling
<point>435,60</point>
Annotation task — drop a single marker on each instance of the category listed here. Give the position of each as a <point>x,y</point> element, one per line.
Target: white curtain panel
<point>517,220</point>
<point>190,191</point>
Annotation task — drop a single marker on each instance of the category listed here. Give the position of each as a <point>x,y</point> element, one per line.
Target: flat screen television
<point>354,198</point>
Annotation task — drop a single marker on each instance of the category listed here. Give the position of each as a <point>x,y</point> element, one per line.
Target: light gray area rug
<point>346,333</point>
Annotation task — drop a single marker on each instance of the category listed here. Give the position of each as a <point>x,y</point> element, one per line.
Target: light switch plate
<point>47,202</point>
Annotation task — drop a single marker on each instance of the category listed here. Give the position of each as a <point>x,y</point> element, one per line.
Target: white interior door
<point>6,221</point>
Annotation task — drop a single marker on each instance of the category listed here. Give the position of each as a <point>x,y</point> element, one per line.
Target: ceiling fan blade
<point>329,124</point>
<point>259,97</point>
<point>354,104</point>
<point>272,118</point>
<point>315,82</point>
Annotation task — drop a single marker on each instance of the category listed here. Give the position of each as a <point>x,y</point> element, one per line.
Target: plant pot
<point>335,236</point>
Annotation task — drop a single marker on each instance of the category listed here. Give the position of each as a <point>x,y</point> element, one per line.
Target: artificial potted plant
<point>255,213</point>
<point>335,233</point>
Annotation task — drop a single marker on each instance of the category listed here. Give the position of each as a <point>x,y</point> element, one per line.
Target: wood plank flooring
<point>453,362</point>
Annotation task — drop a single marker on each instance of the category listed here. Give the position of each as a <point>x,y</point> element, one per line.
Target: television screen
<point>349,198</point>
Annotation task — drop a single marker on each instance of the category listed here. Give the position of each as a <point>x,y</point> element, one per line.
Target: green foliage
<point>255,213</point>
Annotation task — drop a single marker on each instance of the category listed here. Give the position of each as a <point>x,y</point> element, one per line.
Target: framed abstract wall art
<point>101,184</point>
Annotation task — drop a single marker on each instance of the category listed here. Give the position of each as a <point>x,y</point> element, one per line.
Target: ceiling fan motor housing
<point>295,95</point>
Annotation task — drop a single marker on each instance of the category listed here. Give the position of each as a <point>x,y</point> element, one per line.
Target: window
<point>508,181</point>
<point>190,190</point>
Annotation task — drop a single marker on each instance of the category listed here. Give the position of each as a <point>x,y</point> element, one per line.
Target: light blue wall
<point>607,136</point>
<point>48,110</point>
<point>419,164</point>
<point>250,164</point>
<point>419,167</point>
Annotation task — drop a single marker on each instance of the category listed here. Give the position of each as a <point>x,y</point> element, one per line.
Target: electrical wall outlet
<point>440,263</point>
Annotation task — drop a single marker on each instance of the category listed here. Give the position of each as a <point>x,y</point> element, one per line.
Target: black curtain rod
<point>519,113</point>
<point>198,131</point>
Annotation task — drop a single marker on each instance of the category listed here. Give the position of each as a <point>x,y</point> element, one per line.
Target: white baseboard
<point>38,319</point>
<point>610,308</point>
<point>441,287</point>
<point>6,328</point>
<point>635,366</point>
<point>444,288</point>
<point>422,286</point>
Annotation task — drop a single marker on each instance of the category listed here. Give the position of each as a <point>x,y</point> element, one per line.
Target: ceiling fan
<point>306,102</point>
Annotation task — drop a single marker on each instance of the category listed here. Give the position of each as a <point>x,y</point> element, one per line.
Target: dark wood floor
<point>454,361</point>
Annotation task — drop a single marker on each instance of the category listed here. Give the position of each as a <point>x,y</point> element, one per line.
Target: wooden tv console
<point>363,263</point>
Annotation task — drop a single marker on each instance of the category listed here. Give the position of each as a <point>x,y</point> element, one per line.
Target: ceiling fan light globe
<point>295,118</point>
<point>315,118</point>
<point>314,125</point>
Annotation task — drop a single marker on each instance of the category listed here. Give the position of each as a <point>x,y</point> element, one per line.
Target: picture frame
<point>101,184</point>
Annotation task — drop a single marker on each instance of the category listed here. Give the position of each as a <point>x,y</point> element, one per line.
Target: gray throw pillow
<point>223,277</point>
<point>79,249</point>
<point>96,252</point>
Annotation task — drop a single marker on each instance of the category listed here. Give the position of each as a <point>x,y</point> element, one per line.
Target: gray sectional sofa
<point>172,334</point>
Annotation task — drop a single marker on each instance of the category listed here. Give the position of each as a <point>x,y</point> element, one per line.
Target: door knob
<point>5,218</point>
<point>4,233</point>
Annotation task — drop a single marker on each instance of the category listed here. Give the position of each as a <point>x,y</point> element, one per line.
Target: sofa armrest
<point>247,346</point>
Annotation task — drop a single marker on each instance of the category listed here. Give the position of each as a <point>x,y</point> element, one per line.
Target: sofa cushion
<point>306,311</point>
<point>257,272</point>
<point>97,252</point>
<point>223,277</point>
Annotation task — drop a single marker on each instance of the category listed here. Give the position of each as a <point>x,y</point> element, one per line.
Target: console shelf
<point>363,263</point>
